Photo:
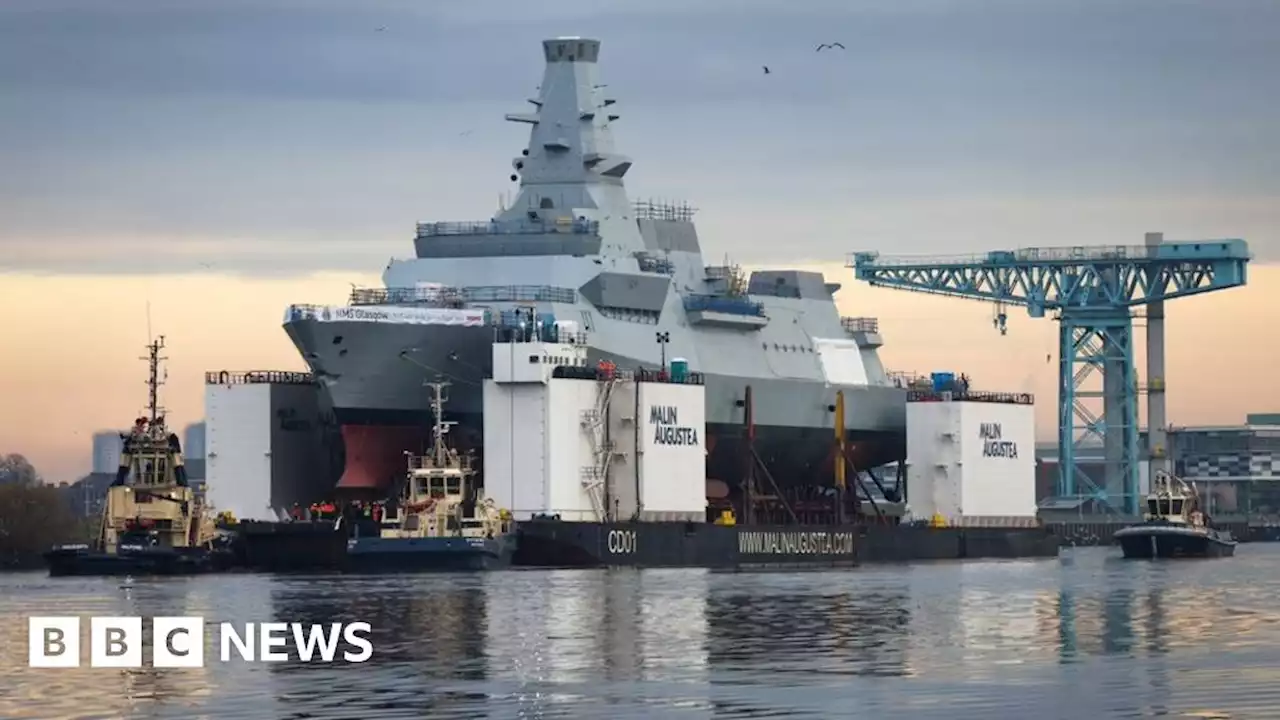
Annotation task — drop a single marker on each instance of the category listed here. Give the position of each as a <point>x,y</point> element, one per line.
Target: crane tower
<point>1093,292</point>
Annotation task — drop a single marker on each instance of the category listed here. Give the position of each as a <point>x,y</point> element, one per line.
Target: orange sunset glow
<point>75,343</point>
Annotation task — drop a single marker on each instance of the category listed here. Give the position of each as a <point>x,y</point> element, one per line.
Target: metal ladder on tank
<point>594,422</point>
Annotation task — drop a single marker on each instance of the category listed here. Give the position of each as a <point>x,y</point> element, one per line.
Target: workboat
<point>153,522</point>
<point>1175,526</point>
<point>441,521</point>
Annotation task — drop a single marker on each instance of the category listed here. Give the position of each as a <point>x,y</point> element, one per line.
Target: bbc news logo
<point>179,642</point>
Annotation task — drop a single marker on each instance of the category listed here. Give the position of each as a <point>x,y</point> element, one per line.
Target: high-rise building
<point>106,451</point>
<point>193,444</point>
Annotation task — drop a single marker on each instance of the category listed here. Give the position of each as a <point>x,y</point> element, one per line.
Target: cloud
<point>179,256</point>
<point>294,130</point>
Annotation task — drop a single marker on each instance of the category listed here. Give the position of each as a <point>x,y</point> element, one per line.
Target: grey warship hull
<point>575,255</point>
<point>379,401</point>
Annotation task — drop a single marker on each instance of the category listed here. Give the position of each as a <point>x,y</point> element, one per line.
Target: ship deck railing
<point>258,377</point>
<point>985,521</point>
<point>676,210</point>
<point>982,396</point>
<point>461,297</point>
<point>506,333</point>
<point>542,514</point>
<point>723,304</point>
<point>606,373</point>
<point>427,464</point>
<point>860,324</point>
<point>1172,251</point>
<point>655,264</point>
<point>573,226</point>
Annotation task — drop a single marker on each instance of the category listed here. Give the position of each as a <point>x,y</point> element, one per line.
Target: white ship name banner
<point>403,315</point>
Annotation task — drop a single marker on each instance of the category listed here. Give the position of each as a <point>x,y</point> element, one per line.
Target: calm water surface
<point>1084,636</point>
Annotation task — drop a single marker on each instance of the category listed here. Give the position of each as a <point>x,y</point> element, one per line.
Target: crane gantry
<point>1093,292</point>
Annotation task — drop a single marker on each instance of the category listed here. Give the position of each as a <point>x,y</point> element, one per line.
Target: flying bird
<point>828,46</point>
<point>766,69</point>
<point>381,29</point>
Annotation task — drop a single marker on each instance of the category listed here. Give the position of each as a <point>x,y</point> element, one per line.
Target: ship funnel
<point>571,143</point>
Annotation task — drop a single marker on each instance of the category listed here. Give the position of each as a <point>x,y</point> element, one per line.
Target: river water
<point>1087,635</point>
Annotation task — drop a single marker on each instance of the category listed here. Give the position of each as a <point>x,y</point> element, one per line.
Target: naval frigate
<point>574,252</point>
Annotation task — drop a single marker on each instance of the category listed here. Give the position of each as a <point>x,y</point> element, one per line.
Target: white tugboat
<point>1174,526</point>
<point>153,521</point>
<point>442,522</point>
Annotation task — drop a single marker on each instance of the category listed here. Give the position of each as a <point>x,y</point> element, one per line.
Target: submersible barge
<point>602,467</point>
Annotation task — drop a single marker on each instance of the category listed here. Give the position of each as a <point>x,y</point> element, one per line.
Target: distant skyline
<point>225,158</point>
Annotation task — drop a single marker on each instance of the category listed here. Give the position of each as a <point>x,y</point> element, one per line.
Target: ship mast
<point>154,380</point>
<point>439,451</point>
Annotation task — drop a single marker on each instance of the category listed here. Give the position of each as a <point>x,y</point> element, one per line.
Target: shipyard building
<point>1092,462</point>
<point>1235,467</point>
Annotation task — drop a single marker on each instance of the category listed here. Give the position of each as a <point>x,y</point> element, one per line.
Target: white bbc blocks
<point>115,642</point>
<point>176,642</point>
<point>53,642</point>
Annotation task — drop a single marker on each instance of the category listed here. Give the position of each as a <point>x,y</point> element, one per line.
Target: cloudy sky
<point>286,138</point>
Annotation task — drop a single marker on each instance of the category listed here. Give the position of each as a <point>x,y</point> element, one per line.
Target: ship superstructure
<point>573,254</point>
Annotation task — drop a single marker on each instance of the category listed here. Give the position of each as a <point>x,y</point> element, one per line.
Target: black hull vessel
<point>556,543</point>
<point>291,546</point>
<point>317,547</point>
<point>80,560</point>
<point>559,544</point>
<point>1175,526</point>
<point>1163,540</point>
<point>376,555</point>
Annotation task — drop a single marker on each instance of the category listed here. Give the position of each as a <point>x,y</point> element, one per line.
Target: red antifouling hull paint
<point>375,455</point>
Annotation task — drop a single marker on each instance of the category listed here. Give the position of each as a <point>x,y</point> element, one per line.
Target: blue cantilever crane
<point>1092,290</point>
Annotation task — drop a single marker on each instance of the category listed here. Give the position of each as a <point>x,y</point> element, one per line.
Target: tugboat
<point>153,522</point>
<point>441,522</point>
<point>1174,526</point>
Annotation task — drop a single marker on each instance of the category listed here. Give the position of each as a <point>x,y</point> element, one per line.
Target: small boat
<point>153,521</point>
<point>1174,526</point>
<point>441,520</point>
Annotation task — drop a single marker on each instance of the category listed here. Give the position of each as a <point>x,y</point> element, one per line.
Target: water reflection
<point>100,692</point>
<point>983,639</point>
<point>801,634</point>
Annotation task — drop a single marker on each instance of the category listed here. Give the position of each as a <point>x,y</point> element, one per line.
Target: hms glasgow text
<point>795,543</point>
